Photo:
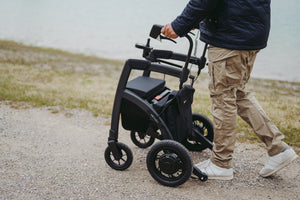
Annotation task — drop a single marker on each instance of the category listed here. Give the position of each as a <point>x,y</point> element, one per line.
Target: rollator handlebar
<point>155,55</point>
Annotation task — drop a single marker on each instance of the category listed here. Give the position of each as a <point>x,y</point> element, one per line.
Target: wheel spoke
<point>158,168</point>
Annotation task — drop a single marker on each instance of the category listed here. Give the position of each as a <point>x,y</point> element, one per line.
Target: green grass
<point>40,87</point>
<point>49,77</point>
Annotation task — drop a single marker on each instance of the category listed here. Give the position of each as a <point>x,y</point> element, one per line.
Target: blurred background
<point>110,29</point>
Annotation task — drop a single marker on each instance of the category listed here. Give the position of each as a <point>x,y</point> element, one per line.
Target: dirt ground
<point>61,156</point>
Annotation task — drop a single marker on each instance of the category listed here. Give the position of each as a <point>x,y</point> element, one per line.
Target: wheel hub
<point>169,163</point>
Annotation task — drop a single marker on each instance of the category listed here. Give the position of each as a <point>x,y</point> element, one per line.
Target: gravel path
<point>60,156</point>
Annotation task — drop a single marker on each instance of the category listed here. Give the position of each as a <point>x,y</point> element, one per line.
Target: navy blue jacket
<point>231,24</point>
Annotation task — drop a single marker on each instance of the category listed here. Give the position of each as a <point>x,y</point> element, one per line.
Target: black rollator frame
<point>150,110</point>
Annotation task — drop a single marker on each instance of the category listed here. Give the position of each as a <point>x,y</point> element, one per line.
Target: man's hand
<point>168,31</point>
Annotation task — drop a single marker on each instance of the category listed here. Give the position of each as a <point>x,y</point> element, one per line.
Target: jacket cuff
<point>180,29</point>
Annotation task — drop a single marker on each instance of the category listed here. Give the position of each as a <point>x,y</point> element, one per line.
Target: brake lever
<point>166,38</point>
<point>192,33</point>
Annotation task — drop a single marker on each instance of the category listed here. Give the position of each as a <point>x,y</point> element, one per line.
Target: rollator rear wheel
<point>121,163</point>
<point>202,122</point>
<point>141,139</point>
<point>169,163</point>
<point>204,126</point>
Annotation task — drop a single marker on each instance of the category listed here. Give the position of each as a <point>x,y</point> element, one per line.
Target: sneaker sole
<point>280,166</point>
<point>223,178</point>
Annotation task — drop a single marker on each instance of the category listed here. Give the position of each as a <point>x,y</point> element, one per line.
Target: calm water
<point>110,29</point>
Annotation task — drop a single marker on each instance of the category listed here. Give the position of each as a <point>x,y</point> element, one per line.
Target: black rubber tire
<point>141,139</point>
<point>182,167</point>
<point>124,162</point>
<point>205,126</point>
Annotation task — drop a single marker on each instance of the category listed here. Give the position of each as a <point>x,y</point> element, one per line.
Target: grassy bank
<point>43,76</point>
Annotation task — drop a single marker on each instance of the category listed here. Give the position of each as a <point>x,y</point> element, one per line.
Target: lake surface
<point>111,28</point>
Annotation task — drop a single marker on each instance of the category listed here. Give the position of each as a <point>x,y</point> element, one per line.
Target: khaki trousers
<point>229,72</point>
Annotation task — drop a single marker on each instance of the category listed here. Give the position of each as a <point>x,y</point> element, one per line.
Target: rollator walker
<point>150,110</point>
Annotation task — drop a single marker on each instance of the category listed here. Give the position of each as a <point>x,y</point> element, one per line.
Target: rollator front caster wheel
<point>169,163</point>
<point>141,139</point>
<point>123,159</point>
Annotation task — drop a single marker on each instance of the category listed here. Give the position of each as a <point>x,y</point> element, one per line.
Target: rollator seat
<point>146,87</point>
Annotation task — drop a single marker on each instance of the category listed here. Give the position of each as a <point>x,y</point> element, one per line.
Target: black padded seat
<point>145,87</point>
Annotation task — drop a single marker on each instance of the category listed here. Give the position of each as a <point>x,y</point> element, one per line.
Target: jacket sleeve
<point>193,13</point>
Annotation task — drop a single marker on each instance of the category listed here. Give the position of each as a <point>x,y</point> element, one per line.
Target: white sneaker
<point>203,164</point>
<point>277,162</point>
<point>215,172</point>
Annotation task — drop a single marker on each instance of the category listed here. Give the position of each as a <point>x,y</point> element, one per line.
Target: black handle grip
<point>142,46</point>
<point>155,31</point>
<point>165,54</point>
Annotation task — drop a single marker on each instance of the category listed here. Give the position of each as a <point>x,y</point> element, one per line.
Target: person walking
<point>235,30</point>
